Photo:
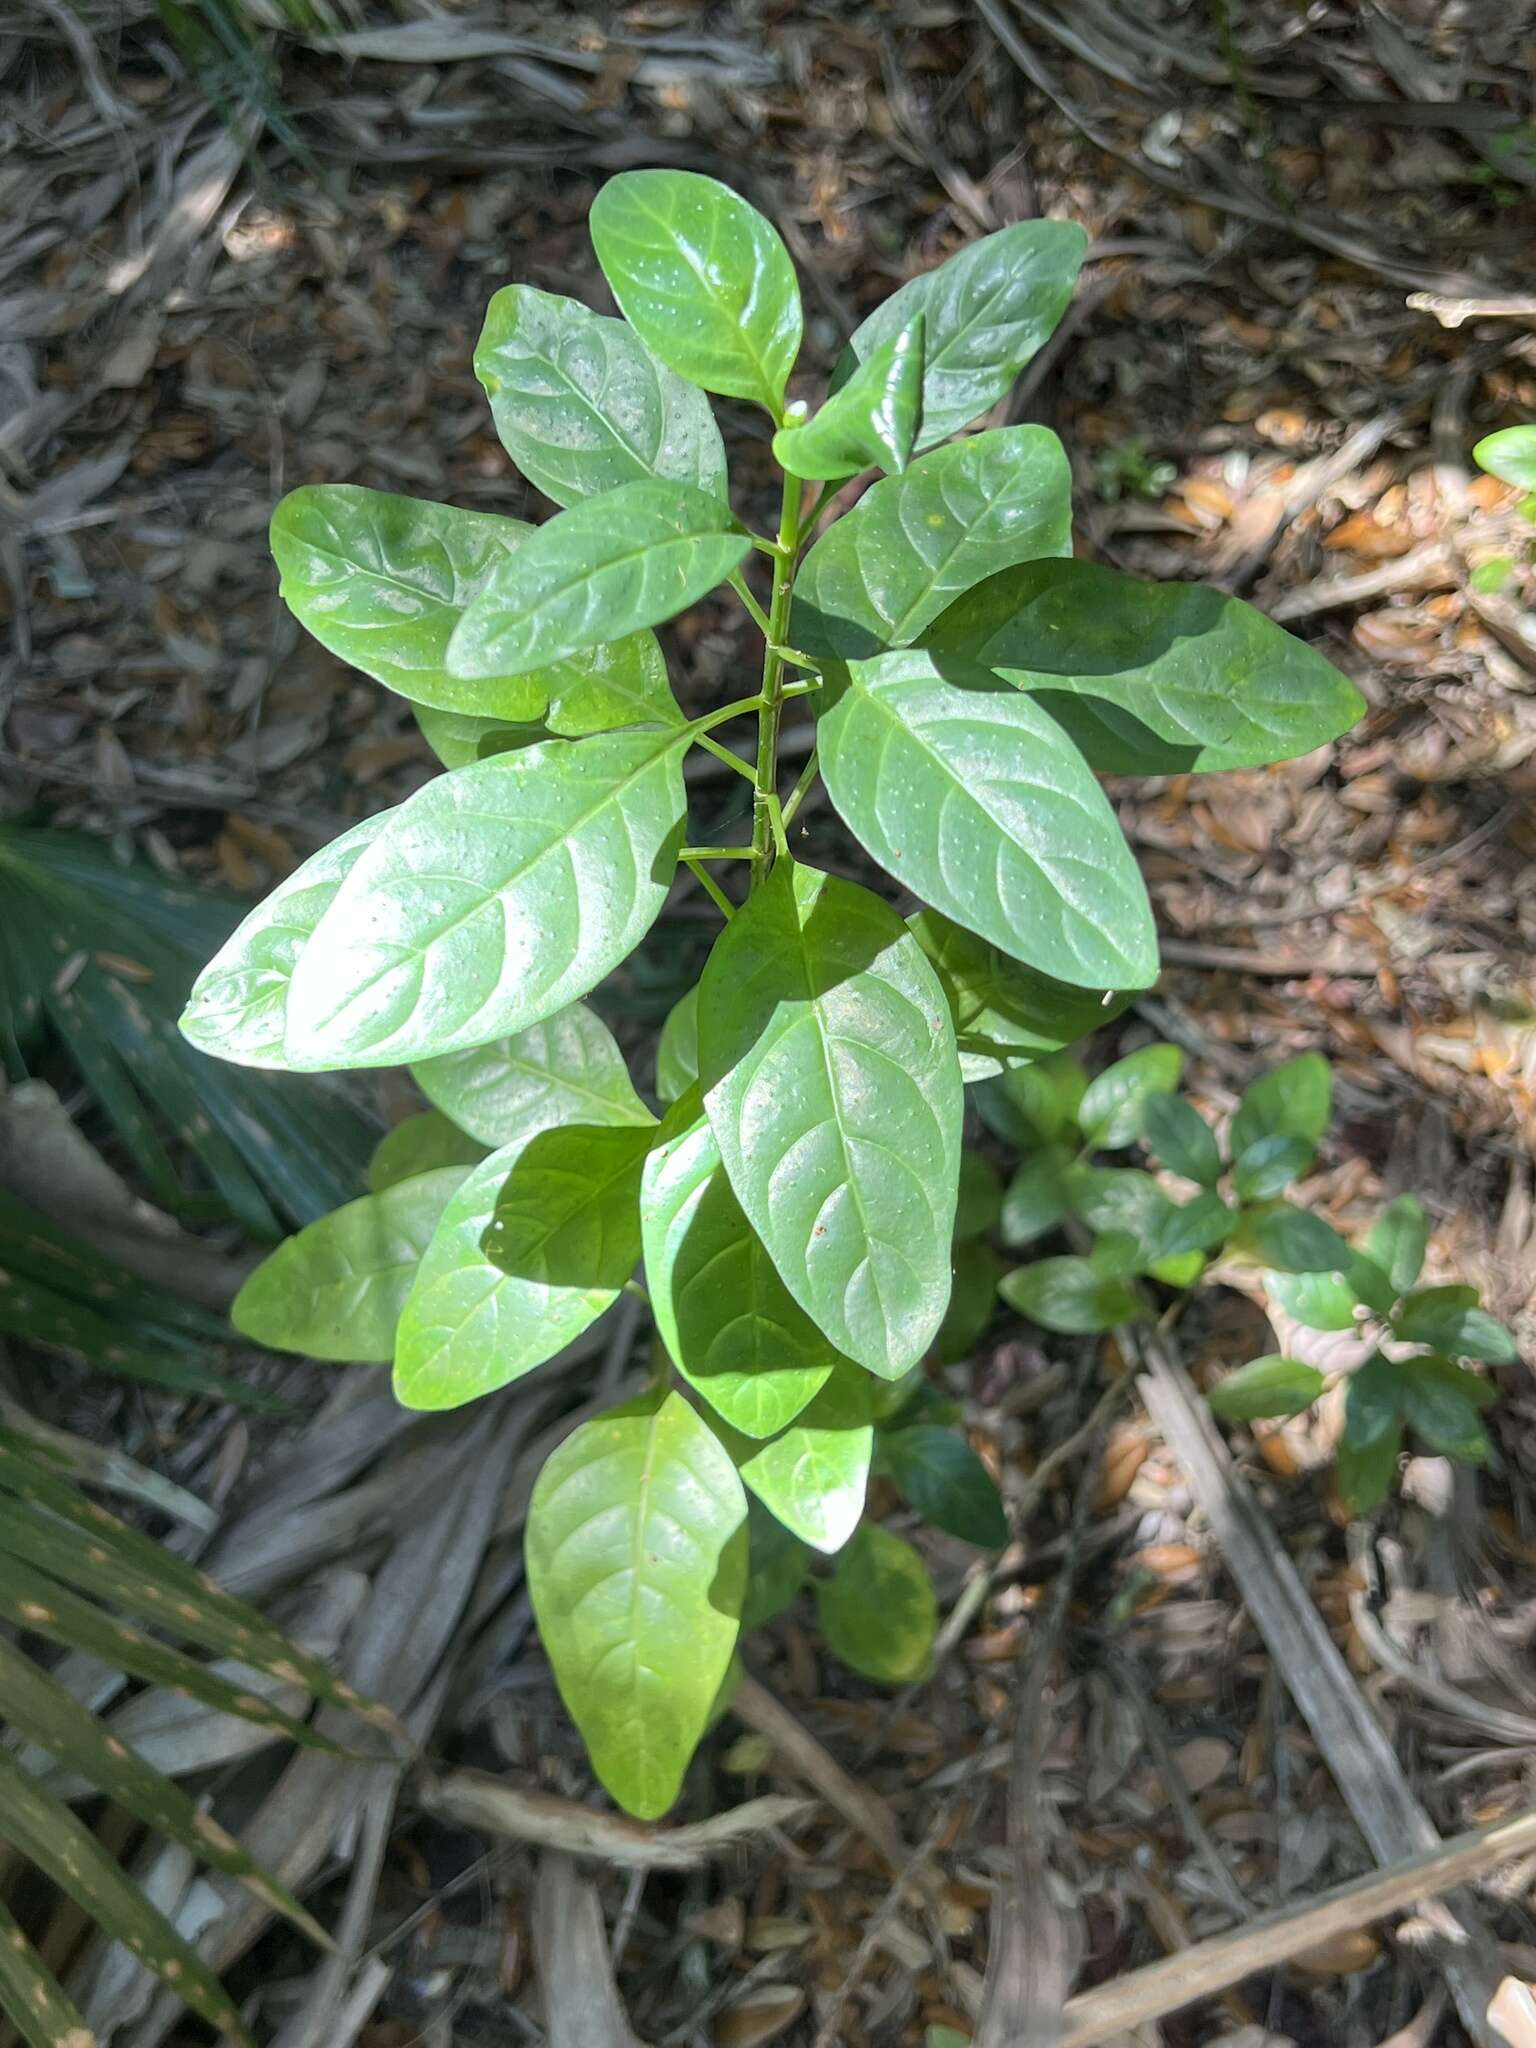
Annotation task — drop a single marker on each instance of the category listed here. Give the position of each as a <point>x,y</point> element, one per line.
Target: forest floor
<point>1305,299</point>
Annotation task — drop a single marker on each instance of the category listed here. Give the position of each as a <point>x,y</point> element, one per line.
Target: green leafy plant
<point>74,1577</point>
<point>794,1210</point>
<point>1510,455</point>
<point>1411,1377</point>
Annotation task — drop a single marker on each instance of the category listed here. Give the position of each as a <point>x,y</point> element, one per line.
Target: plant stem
<point>773,678</point>
<point>806,778</point>
<point>738,583</point>
<point>711,887</point>
<point>724,754</point>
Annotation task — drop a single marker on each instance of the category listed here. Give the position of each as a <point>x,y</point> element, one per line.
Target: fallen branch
<point>479,1799</point>
<point>1276,1937</point>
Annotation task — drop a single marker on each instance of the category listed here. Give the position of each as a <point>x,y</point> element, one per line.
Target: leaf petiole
<point>731,760</point>
<point>692,853</point>
<point>803,782</point>
<point>711,887</point>
<point>759,617</point>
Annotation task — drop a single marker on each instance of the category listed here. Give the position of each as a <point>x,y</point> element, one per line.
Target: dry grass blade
<point>581,2005</point>
<point>798,1751</point>
<point>476,1799</point>
<point>1353,1743</point>
<point>1274,1938</point>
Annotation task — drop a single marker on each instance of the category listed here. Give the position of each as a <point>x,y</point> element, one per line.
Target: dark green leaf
<point>582,405</point>
<point>604,569</point>
<point>1266,1386</point>
<point>1112,1111</point>
<point>1150,678</point>
<point>912,544</point>
<point>942,1477</point>
<point>636,1554</point>
<point>458,737</point>
<point>778,1566</point>
<point>1398,1240</point>
<point>1372,1403</point>
<point>1440,1404</point>
<point>1293,1101</point>
<point>972,1301</point>
<point>872,420</point>
<point>336,1289</point>
<point>567,1070</point>
<point>1510,455</point>
<point>1180,1136</point>
<point>495,897</point>
<point>731,1326</point>
<point>981,1197</point>
<point>1036,1198</point>
<point>29,1996</point>
<point>1005,1012</point>
<point>677,1049</point>
<point>878,1612</point>
<point>1070,1295</point>
<point>1447,1319</point>
<point>1122,1199</point>
<point>1030,1105</point>
<point>1198,1225</point>
<point>833,1089</point>
<point>1366,1471</point>
<point>986,312</point>
<point>533,1248</point>
<point>974,798</point>
<point>1267,1167</point>
<point>703,279</point>
<point>1295,1241</point>
<point>814,1476</point>
<point>418,1145</point>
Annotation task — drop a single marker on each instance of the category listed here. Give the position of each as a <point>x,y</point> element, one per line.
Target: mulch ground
<point>1303,304</point>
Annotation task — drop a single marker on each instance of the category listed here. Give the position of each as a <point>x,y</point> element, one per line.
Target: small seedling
<point>794,1207</point>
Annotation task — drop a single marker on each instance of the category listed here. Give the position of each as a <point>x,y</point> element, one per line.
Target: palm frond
<point>96,958</point>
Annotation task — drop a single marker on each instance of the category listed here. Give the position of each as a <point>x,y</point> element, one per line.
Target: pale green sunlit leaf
<point>878,1611</point>
<point>872,420</point>
<point>567,1070</point>
<point>417,1145</point>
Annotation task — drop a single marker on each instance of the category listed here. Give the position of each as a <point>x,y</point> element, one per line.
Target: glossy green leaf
<point>1318,1301</point>
<point>604,569</point>
<point>890,566</point>
<point>44,1830</point>
<point>972,1301</point>
<point>582,405</point>
<point>677,1049</point>
<point>1029,1106</point>
<point>637,1563</point>
<point>1398,1241</point>
<point>729,1323</point>
<point>532,1249</point>
<point>1036,1198</point>
<point>37,1707</point>
<point>975,799</point>
<point>567,1070</point>
<point>703,279</point>
<point>1267,1167</point>
<point>1448,1319</point>
<point>878,1611</point>
<point>1265,1387</point>
<point>1176,1132</point>
<point>1005,1012</point>
<point>336,1289</point>
<point>1441,1403</point>
<point>459,738</point>
<point>1070,1295</point>
<point>238,1008</point>
<point>1111,1114</point>
<point>814,1476</point>
<point>496,896</point>
<point>871,422</point>
<point>1370,1284</point>
<point>382,581</point>
<point>1150,678</point>
<point>942,1477</point>
<point>1510,455</point>
<point>418,1145</point>
<point>1110,1198</point>
<point>980,1199</point>
<point>606,688</point>
<point>1201,1224</point>
<point>1295,1241</point>
<point>986,310</point>
<point>1373,1434</point>
<point>833,1089</point>
<point>777,1567</point>
<point>1293,1101</point>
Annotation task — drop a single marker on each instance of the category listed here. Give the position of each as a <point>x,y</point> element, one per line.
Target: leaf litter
<point>1304,302</point>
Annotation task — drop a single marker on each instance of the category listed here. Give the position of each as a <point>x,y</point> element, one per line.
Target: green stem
<point>806,777</point>
<point>738,583</point>
<point>773,678</point>
<point>716,853</point>
<point>711,887</point>
<point>724,754</point>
